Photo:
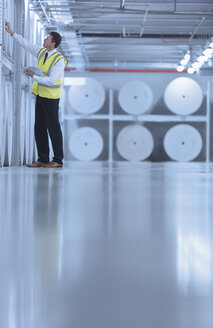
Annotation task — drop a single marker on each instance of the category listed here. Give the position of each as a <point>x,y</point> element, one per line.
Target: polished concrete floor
<point>99,246</point>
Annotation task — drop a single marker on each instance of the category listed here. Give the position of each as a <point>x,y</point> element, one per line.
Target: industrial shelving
<point>111,118</point>
<point>13,60</point>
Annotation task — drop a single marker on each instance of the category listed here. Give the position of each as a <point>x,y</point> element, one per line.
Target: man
<point>47,90</point>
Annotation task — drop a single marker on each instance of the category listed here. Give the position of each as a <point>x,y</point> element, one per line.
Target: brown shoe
<point>37,164</point>
<point>53,165</point>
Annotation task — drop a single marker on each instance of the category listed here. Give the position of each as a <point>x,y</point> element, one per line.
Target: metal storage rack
<point>111,118</point>
<point>11,66</point>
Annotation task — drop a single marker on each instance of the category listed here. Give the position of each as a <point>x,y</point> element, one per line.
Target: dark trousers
<point>46,120</point>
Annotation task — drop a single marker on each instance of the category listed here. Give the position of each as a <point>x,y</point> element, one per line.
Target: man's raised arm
<point>31,48</point>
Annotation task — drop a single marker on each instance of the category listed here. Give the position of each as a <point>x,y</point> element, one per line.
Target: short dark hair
<point>56,38</point>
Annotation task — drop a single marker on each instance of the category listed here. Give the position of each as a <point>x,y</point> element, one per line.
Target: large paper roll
<point>135,143</point>
<point>183,96</point>
<point>1,134</point>
<point>10,123</point>
<point>88,98</point>
<point>183,143</point>
<point>22,126</point>
<point>3,122</point>
<point>27,130</point>
<point>86,144</point>
<point>32,138</point>
<point>135,97</point>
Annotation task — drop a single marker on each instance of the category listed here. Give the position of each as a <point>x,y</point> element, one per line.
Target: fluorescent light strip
<point>77,81</point>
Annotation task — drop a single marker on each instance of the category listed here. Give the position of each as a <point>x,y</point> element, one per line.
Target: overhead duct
<point>206,71</point>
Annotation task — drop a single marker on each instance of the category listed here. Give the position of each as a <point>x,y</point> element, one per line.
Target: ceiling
<point>128,33</point>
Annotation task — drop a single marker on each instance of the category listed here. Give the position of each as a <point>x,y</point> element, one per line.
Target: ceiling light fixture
<point>180,68</point>
<point>184,62</point>
<point>190,70</point>
<point>196,65</point>
<point>74,81</point>
<point>203,57</point>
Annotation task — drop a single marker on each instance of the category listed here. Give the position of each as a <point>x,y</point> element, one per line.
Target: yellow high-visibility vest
<point>54,91</point>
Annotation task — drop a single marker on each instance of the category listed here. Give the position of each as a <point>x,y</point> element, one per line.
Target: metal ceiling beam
<point>175,4</point>
<point>199,25</point>
<point>122,4</point>
<point>114,11</point>
<point>129,23</point>
<point>183,2</point>
<point>124,18</point>
<point>102,25</point>
<point>44,11</point>
<point>148,36</point>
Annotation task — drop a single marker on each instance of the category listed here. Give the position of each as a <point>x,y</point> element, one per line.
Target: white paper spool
<point>27,130</point>
<point>4,114</point>
<point>86,144</point>
<point>10,124</point>
<point>135,143</point>
<point>32,138</point>
<point>7,133</point>
<point>183,143</point>
<point>22,126</point>
<point>135,97</point>
<point>1,135</point>
<point>3,120</point>
<point>88,98</point>
<point>183,96</point>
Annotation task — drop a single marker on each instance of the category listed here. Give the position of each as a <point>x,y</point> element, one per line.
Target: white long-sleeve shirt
<point>57,70</point>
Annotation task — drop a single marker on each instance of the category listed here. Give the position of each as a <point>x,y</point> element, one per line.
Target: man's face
<point>48,41</point>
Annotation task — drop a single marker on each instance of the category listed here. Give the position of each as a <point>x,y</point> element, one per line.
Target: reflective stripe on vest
<point>41,55</point>
<point>51,87</point>
<point>53,62</point>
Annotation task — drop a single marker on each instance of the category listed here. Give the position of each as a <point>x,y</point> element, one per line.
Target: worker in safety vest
<point>47,89</point>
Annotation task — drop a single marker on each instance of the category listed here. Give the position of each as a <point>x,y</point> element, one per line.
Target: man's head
<point>52,41</point>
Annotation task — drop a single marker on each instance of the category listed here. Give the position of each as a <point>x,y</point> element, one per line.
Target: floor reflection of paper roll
<point>183,143</point>
<point>86,144</point>
<point>183,96</point>
<point>87,98</point>
<point>135,97</point>
<point>135,143</point>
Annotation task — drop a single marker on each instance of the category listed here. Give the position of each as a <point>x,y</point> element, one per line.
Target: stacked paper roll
<point>22,126</point>
<point>86,144</point>
<point>87,98</point>
<point>183,143</point>
<point>135,143</point>
<point>135,97</point>
<point>183,96</point>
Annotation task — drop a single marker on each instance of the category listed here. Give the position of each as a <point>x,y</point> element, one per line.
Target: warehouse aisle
<point>94,245</point>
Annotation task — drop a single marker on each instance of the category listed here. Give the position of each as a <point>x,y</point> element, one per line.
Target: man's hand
<point>28,72</point>
<point>8,28</point>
